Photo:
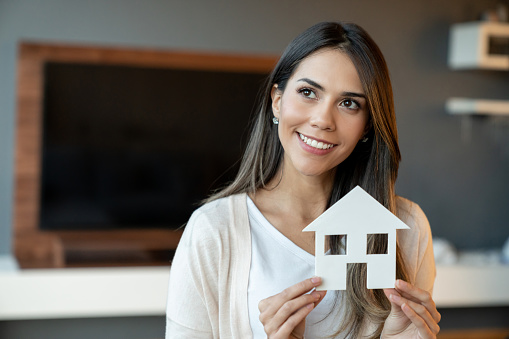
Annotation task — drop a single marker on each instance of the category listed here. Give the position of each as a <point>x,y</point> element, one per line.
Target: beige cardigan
<point>207,295</point>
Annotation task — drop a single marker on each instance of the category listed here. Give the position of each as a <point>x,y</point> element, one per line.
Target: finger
<point>409,291</point>
<point>418,309</point>
<point>289,308</point>
<point>293,321</point>
<point>422,327</point>
<point>276,301</point>
<point>322,295</point>
<point>420,296</point>
<point>270,306</point>
<point>389,292</point>
<point>300,288</point>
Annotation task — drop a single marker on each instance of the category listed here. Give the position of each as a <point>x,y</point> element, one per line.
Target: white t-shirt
<point>277,263</point>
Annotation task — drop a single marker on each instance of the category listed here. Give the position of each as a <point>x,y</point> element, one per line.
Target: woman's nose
<point>322,117</point>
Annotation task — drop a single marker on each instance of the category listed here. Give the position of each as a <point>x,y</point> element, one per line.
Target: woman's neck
<point>302,197</point>
<point>291,203</point>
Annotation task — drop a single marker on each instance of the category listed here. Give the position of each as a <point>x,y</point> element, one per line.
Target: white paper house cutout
<point>356,215</point>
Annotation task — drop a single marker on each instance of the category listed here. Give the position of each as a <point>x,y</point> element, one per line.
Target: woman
<point>244,268</point>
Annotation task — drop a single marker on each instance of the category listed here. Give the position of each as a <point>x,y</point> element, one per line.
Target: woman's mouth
<point>315,143</point>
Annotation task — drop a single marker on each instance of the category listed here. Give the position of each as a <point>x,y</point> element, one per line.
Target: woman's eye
<point>308,93</point>
<point>350,104</point>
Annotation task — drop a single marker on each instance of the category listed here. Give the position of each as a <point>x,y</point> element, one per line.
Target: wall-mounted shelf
<point>479,45</point>
<point>465,106</point>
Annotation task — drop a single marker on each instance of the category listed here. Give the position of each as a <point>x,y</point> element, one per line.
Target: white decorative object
<point>444,252</point>
<point>505,252</point>
<point>355,216</point>
<point>479,45</point>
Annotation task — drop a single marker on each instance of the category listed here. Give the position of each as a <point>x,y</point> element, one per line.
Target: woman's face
<point>322,113</point>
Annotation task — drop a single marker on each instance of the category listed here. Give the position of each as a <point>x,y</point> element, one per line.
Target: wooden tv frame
<point>35,248</point>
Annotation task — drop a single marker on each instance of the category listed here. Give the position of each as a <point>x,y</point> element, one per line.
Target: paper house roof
<point>356,209</point>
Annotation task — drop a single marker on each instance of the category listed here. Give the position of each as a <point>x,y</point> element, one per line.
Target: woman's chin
<point>314,172</point>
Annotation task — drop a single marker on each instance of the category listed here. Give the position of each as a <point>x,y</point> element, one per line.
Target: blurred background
<point>455,167</point>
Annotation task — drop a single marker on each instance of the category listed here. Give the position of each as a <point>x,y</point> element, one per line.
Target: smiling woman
<point>244,268</point>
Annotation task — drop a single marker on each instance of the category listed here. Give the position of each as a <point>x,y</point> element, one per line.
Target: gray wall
<point>462,185</point>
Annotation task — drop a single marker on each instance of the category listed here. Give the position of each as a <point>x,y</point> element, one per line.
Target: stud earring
<point>275,121</point>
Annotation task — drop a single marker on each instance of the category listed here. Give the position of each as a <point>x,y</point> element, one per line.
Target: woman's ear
<point>276,94</point>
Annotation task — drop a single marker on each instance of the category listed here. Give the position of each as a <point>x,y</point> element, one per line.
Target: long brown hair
<point>373,165</point>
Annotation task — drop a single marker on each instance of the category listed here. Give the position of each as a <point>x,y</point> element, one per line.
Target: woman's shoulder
<point>411,214</point>
<point>216,216</point>
<point>419,234</point>
<point>220,208</point>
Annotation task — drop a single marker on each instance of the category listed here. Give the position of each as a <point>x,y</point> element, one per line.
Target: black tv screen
<point>136,147</point>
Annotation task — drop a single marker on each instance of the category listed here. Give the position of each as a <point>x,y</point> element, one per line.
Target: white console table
<point>142,291</point>
<point>81,293</point>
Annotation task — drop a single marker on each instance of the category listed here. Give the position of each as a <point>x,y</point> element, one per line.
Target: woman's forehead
<point>331,68</point>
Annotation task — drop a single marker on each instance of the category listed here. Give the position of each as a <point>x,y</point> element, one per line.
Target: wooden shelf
<point>465,106</point>
<point>58,249</point>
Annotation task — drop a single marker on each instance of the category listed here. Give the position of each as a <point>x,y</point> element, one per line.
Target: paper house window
<point>340,243</point>
<point>382,241</point>
<point>356,215</point>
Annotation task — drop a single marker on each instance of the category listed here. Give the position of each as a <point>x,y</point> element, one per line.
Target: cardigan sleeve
<point>210,272</point>
<point>190,304</point>
<point>426,271</point>
<point>416,245</point>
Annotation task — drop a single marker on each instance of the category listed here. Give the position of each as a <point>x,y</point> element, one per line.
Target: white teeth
<point>314,143</point>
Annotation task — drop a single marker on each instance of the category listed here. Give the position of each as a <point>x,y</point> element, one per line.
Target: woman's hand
<point>413,313</point>
<point>284,315</point>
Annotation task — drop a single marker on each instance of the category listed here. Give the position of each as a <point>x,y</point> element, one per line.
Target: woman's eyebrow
<point>321,88</point>
<point>353,94</point>
<point>312,83</point>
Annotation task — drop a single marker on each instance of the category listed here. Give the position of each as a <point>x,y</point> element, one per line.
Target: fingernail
<point>310,306</point>
<point>316,296</point>
<point>394,297</point>
<point>315,280</point>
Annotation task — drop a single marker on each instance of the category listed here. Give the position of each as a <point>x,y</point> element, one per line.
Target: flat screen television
<point>116,146</point>
<point>138,147</point>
